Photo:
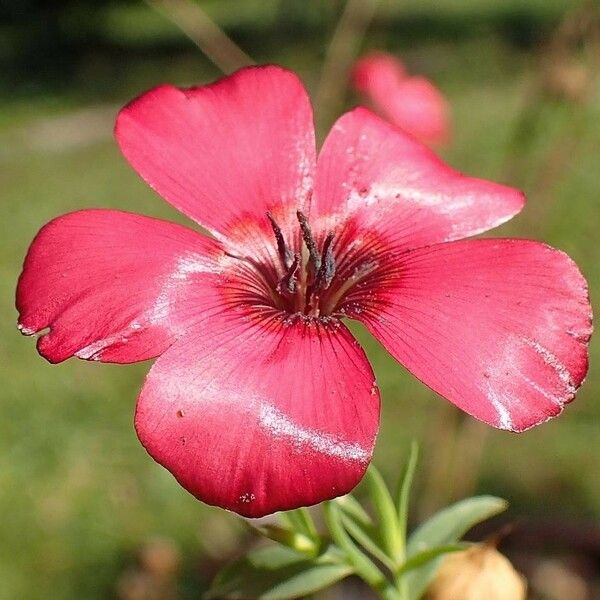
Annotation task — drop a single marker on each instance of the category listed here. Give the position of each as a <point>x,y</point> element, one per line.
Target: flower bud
<point>479,573</point>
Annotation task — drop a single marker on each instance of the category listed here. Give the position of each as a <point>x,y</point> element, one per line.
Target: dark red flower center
<point>315,278</point>
<point>309,273</point>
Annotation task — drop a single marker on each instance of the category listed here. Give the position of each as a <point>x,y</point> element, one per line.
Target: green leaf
<point>446,527</point>
<point>277,573</point>
<point>451,523</point>
<point>301,521</point>
<point>388,528</point>
<point>352,507</point>
<point>363,566</point>
<point>405,487</point>
<point>421,559</point>
<point>366,536</point>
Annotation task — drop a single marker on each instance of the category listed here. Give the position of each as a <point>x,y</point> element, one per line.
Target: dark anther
<point>288,281</point>
<point>326,272</point>
<point>313,251</point>
<point>284,253</point>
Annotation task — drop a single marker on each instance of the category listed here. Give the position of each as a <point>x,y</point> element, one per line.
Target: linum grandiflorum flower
<point>261,399</point>
<point>411,102</point>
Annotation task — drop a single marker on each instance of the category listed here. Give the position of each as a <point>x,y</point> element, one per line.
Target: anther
<point>289,281</point>
<point>313,251</point>
<point>326,272</point>
<point>284,253</point>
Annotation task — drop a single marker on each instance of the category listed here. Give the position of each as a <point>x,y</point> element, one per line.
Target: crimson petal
<point>378,71</point>
<point>113,286</point>
<point>226,153</point>
<point>258,413</point>
<point>394,185</point>
<point>413,103</point>
<point>498,327</point>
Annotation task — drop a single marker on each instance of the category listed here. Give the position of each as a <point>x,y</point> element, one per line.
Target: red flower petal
<point>257,414</point>
<point>225,154</point>
<point>412,103</point>
<point>499,327</point>
<point>112,286</point>
<point>399,188</point>
<point>378,71</point>
<point>418,107</point>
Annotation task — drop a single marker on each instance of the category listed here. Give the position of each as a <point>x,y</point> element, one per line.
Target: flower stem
<point>341,52</point>
<point>218,47</point>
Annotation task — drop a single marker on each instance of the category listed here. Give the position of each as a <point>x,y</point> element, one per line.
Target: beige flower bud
<point>479,573</point>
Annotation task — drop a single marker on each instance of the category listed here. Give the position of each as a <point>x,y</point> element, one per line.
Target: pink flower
<point>261,399</point>
<point>412,103</point>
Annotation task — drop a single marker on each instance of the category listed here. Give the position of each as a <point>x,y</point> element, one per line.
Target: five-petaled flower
<point>411,102</point>
<point>261,399</point>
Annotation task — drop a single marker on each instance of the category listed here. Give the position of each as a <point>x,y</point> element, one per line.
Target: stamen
<point>289,281</point>
<point>313,251</point>
<point>364,269</point>
<point>284,253</point>
<point>326,273</point>
<point>360,272</point>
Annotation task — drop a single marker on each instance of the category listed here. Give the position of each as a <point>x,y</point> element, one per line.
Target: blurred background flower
<point>410,102</point>
<point>80,497</point>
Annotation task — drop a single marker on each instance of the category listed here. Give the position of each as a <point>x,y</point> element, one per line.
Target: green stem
<point>391,593</point>
<point>341,52</point>
<point>217,46</point>
<point>402,588</point>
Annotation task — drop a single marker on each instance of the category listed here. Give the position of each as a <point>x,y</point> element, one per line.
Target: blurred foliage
<point>78,494</point>
<point>56,44</point>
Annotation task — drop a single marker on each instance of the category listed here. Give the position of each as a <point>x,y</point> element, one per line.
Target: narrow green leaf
<point>445,527</point>
<point>309,524</point>
<point>366,537</point>
<point>292,520</point>
<point>405,487</point>
<point>351,506</point>
<point>364,567</point>
<point>277,573</point>
<point>451,523</point>
<point>300,520</point>
<point>418,560</point>
<point>389,530</point>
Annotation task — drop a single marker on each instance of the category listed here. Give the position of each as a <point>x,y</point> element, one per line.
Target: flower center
<point>310,282</point>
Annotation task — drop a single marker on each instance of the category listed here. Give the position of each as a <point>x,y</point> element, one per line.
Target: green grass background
<point>78,494</point>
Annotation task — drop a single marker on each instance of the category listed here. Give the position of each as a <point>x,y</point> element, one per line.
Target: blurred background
<point>85,513</point>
